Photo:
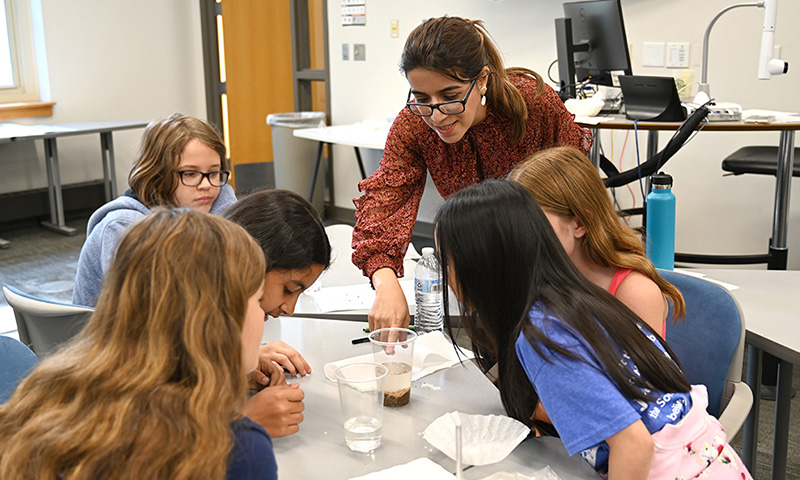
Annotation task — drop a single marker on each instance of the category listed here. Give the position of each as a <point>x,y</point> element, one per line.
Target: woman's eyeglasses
<point>448,108</point>
<point>193,178</point>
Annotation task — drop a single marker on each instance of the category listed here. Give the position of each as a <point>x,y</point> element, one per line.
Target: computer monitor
<point>591,44</point>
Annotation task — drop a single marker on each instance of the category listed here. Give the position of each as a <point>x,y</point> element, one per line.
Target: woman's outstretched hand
<point>391,307</point>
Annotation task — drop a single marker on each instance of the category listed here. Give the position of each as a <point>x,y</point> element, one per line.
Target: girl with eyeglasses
<point>467,118</point>
<point>181,163</point>
<point>154,385</point>
<point>611,385</point>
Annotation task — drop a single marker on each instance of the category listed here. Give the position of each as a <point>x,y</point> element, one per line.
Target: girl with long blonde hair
<point>152,386</point>
<point>611,255</point>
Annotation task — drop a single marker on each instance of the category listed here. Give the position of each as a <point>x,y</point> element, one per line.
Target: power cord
<point>638,161</point>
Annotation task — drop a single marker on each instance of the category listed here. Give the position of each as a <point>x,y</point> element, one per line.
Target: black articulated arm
<point>615,178</point>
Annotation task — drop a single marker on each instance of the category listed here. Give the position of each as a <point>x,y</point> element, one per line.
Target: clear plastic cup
<point>361,390</point>
<point>394,348</point>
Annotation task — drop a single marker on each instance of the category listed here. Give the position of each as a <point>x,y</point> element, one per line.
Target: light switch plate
<point>678,54</point>
<point>359,52</point>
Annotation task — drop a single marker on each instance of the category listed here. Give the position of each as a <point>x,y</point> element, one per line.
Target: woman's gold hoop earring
<point>483,95</point>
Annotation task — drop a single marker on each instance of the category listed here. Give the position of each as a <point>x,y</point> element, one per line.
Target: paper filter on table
<point>419,468</point>
<point>432,352</point>
<point>485,439</point>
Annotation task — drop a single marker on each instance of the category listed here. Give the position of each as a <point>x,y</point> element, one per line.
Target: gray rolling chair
<point>710,346</point>
<point>43,325</point>
<point>16,361</point>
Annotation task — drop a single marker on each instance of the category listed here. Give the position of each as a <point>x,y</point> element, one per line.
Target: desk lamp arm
<point>703,87</point>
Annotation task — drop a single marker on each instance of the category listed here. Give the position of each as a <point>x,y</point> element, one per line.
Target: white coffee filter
<point>485,439</point>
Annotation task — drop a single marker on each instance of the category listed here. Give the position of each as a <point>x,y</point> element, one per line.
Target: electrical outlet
<point>359,52</point>
<point>678,54</point>
<point>653,54</point>
<point>395,28</point>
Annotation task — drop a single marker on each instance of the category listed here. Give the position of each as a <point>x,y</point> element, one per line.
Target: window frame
<point>25,54</point>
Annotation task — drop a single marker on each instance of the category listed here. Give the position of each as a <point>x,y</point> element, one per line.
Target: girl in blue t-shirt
<point>152,386</point>
<point>607,380</point>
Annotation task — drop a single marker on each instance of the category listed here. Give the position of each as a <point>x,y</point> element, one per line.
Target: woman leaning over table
<point>467,118</point>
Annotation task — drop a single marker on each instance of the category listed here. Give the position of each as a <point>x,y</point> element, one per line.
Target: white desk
<point>318,449</point>
<point>357,135</point>
<point>770,301</point>
<point>49,134</point>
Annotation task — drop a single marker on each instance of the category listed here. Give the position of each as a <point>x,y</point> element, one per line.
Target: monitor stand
<point>651,98</point>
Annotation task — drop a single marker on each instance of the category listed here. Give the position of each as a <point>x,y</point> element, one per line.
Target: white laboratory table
<point>771,306</point>
<point>318,450</point>
<point>357,135</point>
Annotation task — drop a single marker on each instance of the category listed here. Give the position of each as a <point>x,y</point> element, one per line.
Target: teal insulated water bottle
<point>660,226</point>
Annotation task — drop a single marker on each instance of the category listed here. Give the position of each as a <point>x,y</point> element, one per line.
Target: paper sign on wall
<point>354,12</point>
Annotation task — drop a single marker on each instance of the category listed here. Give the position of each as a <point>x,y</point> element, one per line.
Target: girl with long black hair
<point>608,381</point>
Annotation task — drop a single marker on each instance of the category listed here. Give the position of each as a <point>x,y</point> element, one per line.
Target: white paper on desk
<point>432,352</point>
<point>780,117</point>
<point>352,297</point>
<point>419,468</point>
<point>589,120</point>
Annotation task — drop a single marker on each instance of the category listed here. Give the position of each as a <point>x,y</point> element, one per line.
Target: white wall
<point>111,61</point>
<point>716,214</point>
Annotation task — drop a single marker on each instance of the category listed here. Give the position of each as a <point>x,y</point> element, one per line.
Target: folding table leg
<point>56,223</point>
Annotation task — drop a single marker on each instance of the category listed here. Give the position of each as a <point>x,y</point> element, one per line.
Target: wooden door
<point>258,74</point>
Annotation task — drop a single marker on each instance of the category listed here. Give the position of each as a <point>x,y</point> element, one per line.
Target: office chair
<point>709,343</point>
<point>758,160</point>
<point>16,360</point>
<point>43,325</point>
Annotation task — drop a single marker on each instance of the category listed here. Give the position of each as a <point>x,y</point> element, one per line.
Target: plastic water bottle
<point>428,293</point>
<point>661,222</point>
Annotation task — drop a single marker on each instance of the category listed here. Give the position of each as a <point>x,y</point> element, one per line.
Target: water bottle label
<point>427,286</point>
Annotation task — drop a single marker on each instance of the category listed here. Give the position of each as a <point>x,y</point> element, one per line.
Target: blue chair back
<point>17,361</point>
<point>710,342</point>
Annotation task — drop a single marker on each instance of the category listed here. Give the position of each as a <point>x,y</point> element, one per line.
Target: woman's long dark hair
<point>497,246</point>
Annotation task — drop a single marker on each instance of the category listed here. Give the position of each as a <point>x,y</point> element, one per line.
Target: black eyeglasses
<point>193,178</point>
<point>448,108</point>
